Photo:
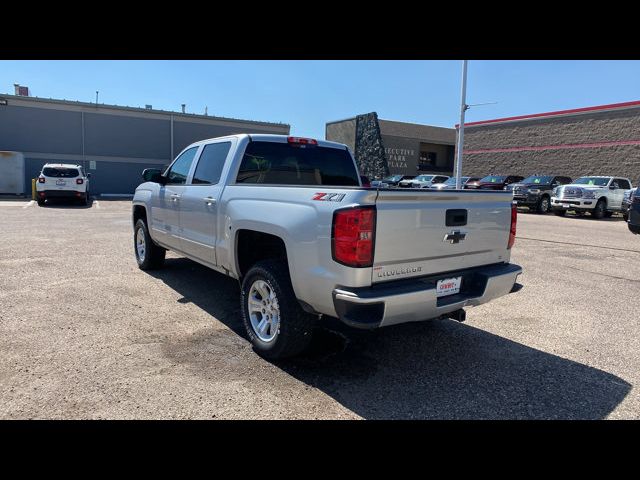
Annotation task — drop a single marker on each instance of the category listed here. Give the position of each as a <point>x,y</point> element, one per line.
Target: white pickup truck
<point>289,219</point>
<point>600,195</point>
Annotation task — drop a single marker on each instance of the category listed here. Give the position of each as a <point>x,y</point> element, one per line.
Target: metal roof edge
<point>138,109</point>
<point>556,113</point>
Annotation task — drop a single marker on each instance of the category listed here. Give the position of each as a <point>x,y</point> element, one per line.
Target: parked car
<point>328,246</point>
<point>62,180</point>
<point>600,195</point>
<point>364,180</point>
<point>535,192</point>
<point>627,199</point>
<point>494,182</point>
<point>634,213</point>
<point>450,184</point>
<point>391,181</point>
<point>422,181</point>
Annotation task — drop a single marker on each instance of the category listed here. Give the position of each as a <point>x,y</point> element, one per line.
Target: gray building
<point>388,147</point>
<point>113,143</point>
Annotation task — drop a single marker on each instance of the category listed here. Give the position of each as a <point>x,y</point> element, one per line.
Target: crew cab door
<point>199,202</point>
<point>617,195</point>
<point>165,207</point>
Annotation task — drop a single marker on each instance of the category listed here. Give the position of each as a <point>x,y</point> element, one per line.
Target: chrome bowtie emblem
<point>455,237</point>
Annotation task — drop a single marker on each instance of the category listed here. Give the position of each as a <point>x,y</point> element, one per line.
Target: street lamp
<point>463,108</point>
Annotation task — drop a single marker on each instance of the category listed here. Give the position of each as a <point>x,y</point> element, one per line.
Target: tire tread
<point>296,325</point>
<point>154,258</point>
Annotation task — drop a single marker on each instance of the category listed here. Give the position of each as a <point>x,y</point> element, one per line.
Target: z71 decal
<point>329,197</point>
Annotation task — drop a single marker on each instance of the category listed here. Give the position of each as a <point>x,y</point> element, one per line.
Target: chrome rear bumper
<point>415,300</point>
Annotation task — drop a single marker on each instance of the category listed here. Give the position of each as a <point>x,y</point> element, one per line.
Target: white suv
<point>61,180</point>
<point>596,194</point>
<point>423,181</point>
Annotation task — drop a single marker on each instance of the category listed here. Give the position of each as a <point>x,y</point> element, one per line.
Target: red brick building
<point>600,140</point>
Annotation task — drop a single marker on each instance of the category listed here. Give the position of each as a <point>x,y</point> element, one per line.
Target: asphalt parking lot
<point>85,334</point>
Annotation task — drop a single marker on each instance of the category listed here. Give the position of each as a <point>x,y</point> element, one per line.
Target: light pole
<point>463,108</point>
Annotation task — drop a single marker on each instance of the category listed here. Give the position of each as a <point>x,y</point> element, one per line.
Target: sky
<point>308,94</point>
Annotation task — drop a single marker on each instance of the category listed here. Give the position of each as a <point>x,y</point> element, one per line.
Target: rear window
<point>285,164</point>
<point>60,172</point>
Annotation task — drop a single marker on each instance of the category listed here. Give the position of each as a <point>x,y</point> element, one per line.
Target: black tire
<point>41,202</point>
<point>608,214</point>
<point>544,205</point>
<point>600,209</point>
<point>560,213</point>
<point>153,256</point>
<point>295,327</point>
<point>625,217</point>
<point>87,199</point>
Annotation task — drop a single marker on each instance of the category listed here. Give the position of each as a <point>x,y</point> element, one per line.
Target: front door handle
<point>210,200</point>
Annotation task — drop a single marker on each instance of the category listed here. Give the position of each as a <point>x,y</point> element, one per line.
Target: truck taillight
<point>512,230</point>
<point>302,141</point>
<point>353,235</point>
<point>79,181</point>
<point>41,179</point>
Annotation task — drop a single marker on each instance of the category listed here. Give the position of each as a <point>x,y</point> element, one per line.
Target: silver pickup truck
<point>289,219</point>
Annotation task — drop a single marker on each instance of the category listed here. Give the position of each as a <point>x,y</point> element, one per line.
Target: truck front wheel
<point>148,255</point>
<point>276,325</point>
<point>600,209</point>
<point>544,205</point>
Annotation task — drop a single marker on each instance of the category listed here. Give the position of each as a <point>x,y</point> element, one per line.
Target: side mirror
<point>153,175</point>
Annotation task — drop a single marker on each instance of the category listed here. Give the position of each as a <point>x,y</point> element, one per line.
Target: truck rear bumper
<point>61,194</point>
<point>415,300</point>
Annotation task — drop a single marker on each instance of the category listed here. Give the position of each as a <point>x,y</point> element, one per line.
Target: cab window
<point>210,163</point>
<point>177,173</point>
<point>622,183</point>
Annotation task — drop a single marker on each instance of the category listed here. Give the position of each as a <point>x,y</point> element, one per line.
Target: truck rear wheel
<point>275,323</point>
<point>148,255</point>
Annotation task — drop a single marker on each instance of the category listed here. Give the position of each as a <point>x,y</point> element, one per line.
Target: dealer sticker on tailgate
<point>448,286</point>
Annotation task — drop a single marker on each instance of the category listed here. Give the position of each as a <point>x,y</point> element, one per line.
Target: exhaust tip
<point>458,315</point>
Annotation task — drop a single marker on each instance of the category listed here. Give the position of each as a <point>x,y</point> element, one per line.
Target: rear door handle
<point>210,200</point>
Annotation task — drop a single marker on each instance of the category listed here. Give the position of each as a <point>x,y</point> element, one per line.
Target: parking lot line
<point>579,244</point>
<point>12,203</point>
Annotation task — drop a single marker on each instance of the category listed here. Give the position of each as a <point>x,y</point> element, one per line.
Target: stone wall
<point>369,149</point>
<point>576,145</point>
<point>342,132</point>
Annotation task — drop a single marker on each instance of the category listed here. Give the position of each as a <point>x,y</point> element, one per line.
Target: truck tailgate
<point>411,227</point>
